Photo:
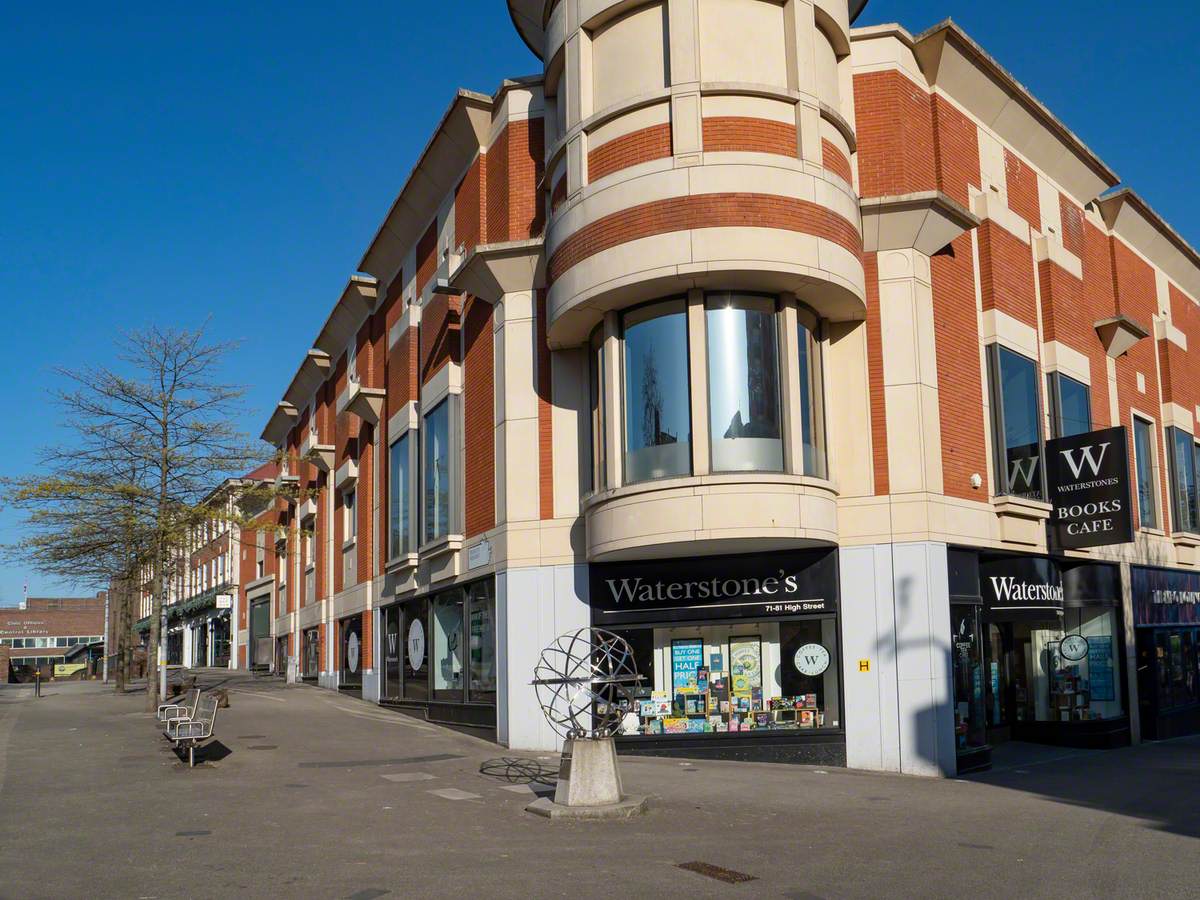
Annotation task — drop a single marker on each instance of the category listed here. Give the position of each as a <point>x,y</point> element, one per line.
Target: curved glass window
<point>743,384</point>
<point>596,379</point>
<point>812,407</point>
<point>658,423</point>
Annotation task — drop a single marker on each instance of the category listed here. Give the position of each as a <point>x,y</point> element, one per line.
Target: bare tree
<point>162,430</point>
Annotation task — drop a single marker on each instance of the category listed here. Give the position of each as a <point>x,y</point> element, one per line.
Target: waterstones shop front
<point>1038,647</point>
<point>740,654</point>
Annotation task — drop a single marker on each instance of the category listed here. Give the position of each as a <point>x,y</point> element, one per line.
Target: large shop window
<point>438,456</point>
<point>1016,424</point>
<point>443,647</point>
<point>1053,645</point>
<point>743,383</point>
<point>399,540</point>
<point>1181,446</point>
<point>1147,488</point>
<point>448,646</point>
<point>658,424</point>
<point>1070,405</point>
<point>727,645</point>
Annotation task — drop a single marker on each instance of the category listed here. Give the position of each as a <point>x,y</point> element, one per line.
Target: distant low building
<point>39,636</point>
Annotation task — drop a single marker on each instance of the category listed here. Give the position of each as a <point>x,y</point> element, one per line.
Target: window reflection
<point>658,429</point>
<point>1071,406</point>
<point>811,406</point>
<point>1017,424</point>
<point>1144,453</point>
<point>437,472</point>
<point>743,384</point>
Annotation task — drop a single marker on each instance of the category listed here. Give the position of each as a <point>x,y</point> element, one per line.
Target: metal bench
<point>185,710</point>
<point>195,730</point>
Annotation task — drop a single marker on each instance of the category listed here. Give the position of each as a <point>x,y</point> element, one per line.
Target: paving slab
<point>106,810</point>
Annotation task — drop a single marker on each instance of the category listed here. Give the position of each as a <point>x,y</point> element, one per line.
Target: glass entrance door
<point>970,716</point>
<point>391,653</point>
<point>352,652</point>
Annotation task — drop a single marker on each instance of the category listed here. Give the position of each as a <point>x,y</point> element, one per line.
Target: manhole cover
<point>708,870</point>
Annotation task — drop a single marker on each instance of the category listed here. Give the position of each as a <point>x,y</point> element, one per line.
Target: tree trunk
<point>120,654</point>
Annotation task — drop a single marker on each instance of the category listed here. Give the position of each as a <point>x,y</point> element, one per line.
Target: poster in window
<point>745,663</point>
<point>687,656</point>
<point>1100,668</point>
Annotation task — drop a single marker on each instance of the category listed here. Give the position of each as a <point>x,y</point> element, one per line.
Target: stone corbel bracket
<point>926,221</point>
<point>492,270</point>
<point>1118,334</point>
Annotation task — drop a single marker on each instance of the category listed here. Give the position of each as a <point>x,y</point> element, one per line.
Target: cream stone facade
<point>733,286</point>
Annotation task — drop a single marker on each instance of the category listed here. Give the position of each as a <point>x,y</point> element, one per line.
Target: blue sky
<point>174,164</point>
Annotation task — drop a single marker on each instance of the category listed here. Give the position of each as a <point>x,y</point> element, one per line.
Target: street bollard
<point>37,683</point>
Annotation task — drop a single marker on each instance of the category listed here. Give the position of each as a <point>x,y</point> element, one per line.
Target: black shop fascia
<point>739,654</point>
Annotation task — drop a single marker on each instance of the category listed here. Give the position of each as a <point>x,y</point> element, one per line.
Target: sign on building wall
<point>1165,596</point>
<point>1088,479</point>
<point>756,585</point>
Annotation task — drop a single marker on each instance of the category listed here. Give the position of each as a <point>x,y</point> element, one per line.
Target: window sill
<point>400,563</point>
<point>349,545</point>
<point>441,546</point>
<point>1023,507</point>
<point>1185,539</point>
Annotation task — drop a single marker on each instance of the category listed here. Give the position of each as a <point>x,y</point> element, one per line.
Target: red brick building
<point>743,332</point>
<point>40,634</point>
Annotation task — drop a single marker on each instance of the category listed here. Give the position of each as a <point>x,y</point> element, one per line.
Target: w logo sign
<point>1089,487</point>
<point>1085,456</point>
<point>1022,474</point>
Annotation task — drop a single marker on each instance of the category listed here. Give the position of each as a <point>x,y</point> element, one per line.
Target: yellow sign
<point>864,665</point>
<point>61,670</point>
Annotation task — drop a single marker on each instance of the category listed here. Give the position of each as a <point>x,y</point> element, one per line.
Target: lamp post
<point>107,637</point>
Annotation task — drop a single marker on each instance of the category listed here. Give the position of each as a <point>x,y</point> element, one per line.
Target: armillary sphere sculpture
<point>584,683</point>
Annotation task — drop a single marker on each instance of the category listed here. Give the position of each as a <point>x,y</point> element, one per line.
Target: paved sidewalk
<point>319,795</point>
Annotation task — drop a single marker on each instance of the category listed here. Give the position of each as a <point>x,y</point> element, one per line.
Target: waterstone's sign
<point>754,586</point>
<point>1027,587</point>
<point>1088,478</point>
<point>1164,596</point>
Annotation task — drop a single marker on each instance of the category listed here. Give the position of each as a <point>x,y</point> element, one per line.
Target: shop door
<point>261,649</point>
<point>221,641</point>
<point>311,653</point>
<point>352,652</point>
<point>1000,700</point>
<point>416,650</point>
<point>391,653</point>
<point>1148,675</point>
<point>281,655</point>
<point>200,657</point>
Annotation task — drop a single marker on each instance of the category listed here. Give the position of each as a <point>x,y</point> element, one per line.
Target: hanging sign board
<point>1088,479</point>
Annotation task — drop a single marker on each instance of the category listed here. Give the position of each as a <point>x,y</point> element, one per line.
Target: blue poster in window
<point>1100,668</point>
<point>687,657</point>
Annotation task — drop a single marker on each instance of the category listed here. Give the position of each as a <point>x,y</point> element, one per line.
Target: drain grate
<point>708,870</point>
<point>354,764</point>
<point>265,747</point>
<point>192,833</point>
<point>251,737</point>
